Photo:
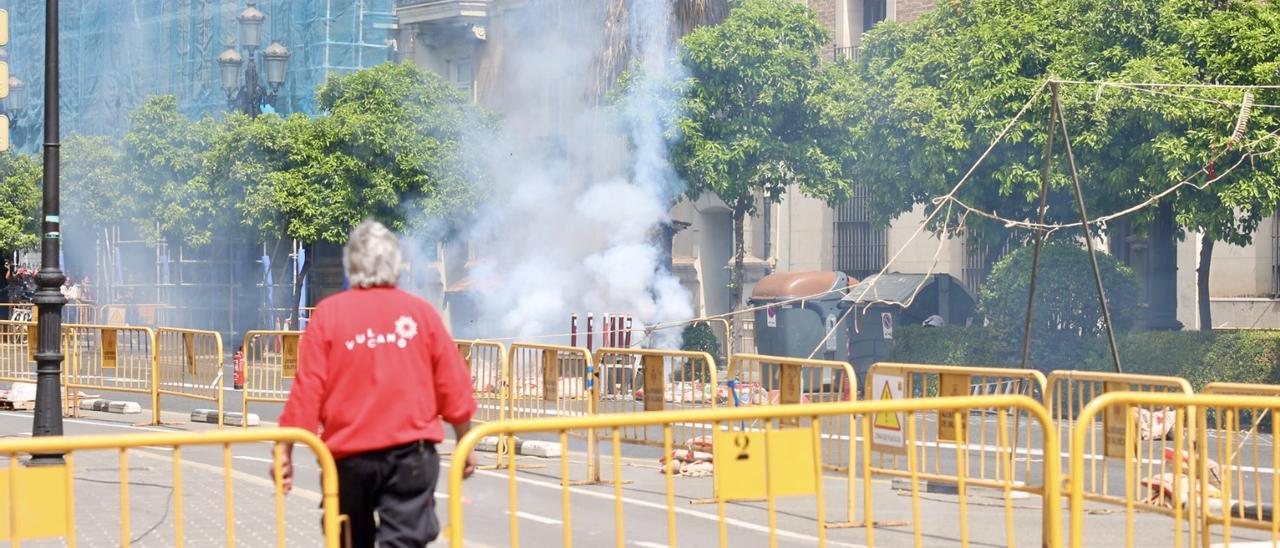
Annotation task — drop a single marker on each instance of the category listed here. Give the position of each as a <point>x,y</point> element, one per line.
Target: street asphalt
<point>539,516</point>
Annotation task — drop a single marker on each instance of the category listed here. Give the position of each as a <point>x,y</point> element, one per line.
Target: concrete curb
<point>531,448</point>
<point>210,416</point>
<point>108,406</point>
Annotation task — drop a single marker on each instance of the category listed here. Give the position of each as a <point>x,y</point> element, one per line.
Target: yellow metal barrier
<point>987,446</point>
<point>81,313</point>
<point>40,502</point>
<point>1068,394</point>
<point>754,379</point>
<point>270,364</point>
<point>133,314</point>
<point>550,380</point>
<point>781,467</point>
<point>1208,477</point>
<point>188,364</point>
<point>634,380</point>
<point>554,380</point>
<point>112,358</point>
<point>17,352</point>
<point>490,378</point>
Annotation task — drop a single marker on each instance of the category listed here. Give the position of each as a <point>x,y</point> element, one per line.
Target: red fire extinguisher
<point>237,368</point>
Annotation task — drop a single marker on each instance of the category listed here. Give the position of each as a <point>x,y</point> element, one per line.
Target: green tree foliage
<point>163,154</point>
<point>1066,295</point>
<point>389,146</point>
<point>757,115</point>
<point>95,188</point>
<point>19,200</point>
<point>931,95</point>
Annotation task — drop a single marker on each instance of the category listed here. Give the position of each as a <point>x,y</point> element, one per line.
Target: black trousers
<point>396,484</point>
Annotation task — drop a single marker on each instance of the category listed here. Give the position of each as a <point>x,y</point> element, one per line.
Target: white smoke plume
<point>575,227</point>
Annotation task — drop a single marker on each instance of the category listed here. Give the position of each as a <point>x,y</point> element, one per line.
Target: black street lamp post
<point>48,413</point>
<point>252,95</point>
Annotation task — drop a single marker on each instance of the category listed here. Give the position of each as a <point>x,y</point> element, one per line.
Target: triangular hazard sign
<point>886,420</point>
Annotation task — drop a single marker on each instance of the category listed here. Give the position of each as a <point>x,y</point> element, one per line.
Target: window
<point>860,246</point>
<point>873,11</point>
<point>462,75</point>
<point>980,257</point>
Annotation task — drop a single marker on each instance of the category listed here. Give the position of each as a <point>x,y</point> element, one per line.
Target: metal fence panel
<point>781,468</point>
<point>270,363</point>
<point>1069,392</point>
<point>189,364</point>
<point>984,442</point>
<point>110,358</point>
<point>40,501</point>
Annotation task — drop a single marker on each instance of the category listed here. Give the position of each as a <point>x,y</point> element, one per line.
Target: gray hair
<point>372,256</point>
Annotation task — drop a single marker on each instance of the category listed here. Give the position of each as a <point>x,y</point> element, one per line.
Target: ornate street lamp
<point>17,95</point>
<point>250,96</point>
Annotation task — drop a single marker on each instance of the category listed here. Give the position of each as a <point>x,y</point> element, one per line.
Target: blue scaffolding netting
<point>116,53</point>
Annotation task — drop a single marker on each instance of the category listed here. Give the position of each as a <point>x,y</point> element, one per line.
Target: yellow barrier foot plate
<point>863,524</point>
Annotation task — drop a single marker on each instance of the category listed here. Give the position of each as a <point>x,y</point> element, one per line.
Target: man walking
<point>377,370</point>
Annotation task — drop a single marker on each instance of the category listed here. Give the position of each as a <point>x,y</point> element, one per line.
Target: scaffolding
<point>116,53</point>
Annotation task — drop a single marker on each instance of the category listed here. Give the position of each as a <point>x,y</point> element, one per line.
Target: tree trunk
<point>736,274</point>
<point>296,318</point>
<point>739,257</point>
<point>1202,282</point>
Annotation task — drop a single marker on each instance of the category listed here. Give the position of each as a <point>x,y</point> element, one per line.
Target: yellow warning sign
<point>886,420</point>
<point>887,435</point>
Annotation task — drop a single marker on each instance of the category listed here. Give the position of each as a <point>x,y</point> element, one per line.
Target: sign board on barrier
<point>1114,420</point>
<point>289,356</point>
<point>109,349</point>
<point>189,347</point>
<point>42,491</point>
<point>654,391</point>
<point>115,315</point>
<point>751,465</point>
<point>888,430</point>
<point>949,429</point>
<point>550,376</point>
<point>789,390</point>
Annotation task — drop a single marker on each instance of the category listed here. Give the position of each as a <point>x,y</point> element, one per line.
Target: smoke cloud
<point>580,192</point>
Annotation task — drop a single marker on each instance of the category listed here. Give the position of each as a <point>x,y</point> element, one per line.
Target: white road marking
<point>537,518</point>
<point>254,459</point>
<point>646,504</point>
<point>647,544</point>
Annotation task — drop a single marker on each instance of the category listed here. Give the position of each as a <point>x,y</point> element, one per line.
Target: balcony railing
<point>844,52</point>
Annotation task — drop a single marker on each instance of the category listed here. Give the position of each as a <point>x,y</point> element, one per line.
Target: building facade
<point>466,40</point>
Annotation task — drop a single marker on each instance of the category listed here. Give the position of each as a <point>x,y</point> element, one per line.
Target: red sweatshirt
<point>377,369</point>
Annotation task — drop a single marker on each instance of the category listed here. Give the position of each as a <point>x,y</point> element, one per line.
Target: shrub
<point>1066,295</point>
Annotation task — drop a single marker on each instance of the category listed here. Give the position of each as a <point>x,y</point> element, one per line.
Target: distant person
<point>381,365</point>
<point>6,291</point>
<point>85,294</point>
<point>72,293</point>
